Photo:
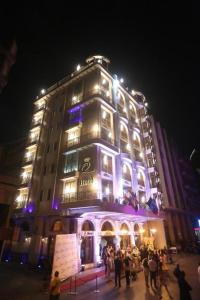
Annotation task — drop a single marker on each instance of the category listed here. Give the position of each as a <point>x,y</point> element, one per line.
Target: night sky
<point>154,46</point>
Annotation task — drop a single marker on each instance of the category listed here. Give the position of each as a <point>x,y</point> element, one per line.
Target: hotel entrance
<point>107,237</point>
<point>125,238</point>
<point>87,243</point>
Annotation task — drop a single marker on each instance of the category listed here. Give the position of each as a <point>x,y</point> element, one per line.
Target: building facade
<point>180,189</point>
<point>89,168</point>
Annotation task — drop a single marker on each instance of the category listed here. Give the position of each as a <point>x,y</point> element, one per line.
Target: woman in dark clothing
<point>184,287</point>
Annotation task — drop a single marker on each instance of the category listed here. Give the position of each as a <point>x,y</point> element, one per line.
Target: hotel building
<point>89,151</point>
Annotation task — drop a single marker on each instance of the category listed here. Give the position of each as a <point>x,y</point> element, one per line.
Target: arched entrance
<point>87,242</point>
<point>107,237</point>
<point>125,238</point>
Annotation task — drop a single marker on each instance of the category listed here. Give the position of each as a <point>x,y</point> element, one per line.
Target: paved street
<point>18,283</point>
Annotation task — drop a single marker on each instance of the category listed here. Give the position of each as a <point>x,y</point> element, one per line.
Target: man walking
<point>153,271</point>
<point>118,268</point>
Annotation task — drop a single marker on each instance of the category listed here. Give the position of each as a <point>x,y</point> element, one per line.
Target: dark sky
<point>154,46</point>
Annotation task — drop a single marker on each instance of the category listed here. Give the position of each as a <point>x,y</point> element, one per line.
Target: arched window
<point>57,226</point>
<point>124,138</point>
<point>87,226</point>
<point>107,226</point>
<point>136,140</point>
<point>126,171</point>
<point>121,103</point>
<point>141,178</point>
<point>132,112</point>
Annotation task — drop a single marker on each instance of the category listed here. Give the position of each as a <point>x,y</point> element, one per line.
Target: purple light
<point>30,207</point>
<point>55,204</point>
<point>74,109</point>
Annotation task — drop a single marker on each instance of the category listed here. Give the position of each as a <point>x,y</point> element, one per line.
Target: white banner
<point>65,259</point>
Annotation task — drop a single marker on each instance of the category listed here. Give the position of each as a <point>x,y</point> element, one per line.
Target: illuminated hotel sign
<point>87,180</point>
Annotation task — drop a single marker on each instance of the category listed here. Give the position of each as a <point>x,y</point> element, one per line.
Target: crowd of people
<point>153,263</point>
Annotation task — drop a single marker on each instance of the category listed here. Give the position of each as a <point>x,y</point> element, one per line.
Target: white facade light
<point>124,168</point>
<point>104,114</point>
<point>137,121</point>
<point>143,199</point>
<point>130,106</point>
<point>105,160</point>
<point>141,154</point>
<point>121,80</point>
<point>107,190</point>
<point>103,81</point>
<point>96,87</point>
<point>19,199</point>
<point>110,135</point>
<point>78,68</point>
<point>43,91</point>
<point>107,93</point>
<point>74,98</point>
<point>121,127</point>
<point>146,104</point>
<point>128,147</point>
<point>124,110</point>
<point>95,128</point>
<point>133,92</point>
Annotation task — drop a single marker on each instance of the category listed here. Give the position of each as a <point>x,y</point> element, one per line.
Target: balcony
<point>78,197</point>
<point>99,92</point>
<point>91,137</point>
<point>29,159</point>
<point>37,123</point>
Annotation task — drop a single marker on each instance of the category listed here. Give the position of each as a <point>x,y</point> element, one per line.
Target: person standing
<point>118,269</point>
<point>127,268</point>
<point>164,278</point>
<point>55,287</point>
<point>146,271</point>
<point>153,272</point>
<point>184,287</point>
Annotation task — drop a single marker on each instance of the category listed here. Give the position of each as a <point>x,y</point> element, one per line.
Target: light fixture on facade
<point>130,106</point>
<point>104,114</point>
<point>19,199</point>
<point>141,230</point>
<point>28,154</point>
<point>143,199</point>
<point>43,91</point>
<point>107,190</point>
<point>124,109</point>
<point>95,128</point>
<point>138,175</point>
<point>74,98</point>
<point>121,80</point>
<point>110,135</point>
<point>78,67</point>
<point>121,127</point>
<point>124,168</point>
<point>133,92</point>
<point>153,230</point>
<point>137,121</point>
<point>146,104</point>
<point>141,155</point>
<point>24,174</point>
<point>105,160</point>
<point>103,81</point>
<point>95,184</point>
<point>107,93</point>
<point>96,87</point>
<point>128,147</point>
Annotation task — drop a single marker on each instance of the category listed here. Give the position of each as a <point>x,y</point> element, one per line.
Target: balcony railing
<point>79,196</point>
<point>29,159</point>
<point>89,136</point>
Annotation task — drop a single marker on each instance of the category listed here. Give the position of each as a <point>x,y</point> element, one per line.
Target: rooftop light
<point>133,92</point>
<point>146,104</point>
<point>78,67</point>
<point>43,91</point>
<point>122,80</point>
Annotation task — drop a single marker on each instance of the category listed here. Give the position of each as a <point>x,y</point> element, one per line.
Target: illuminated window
<point>106,162</point>
<point>141,178</point>
<point>73,136</point>
<point>121,103</point>
<point>132,112</point>
<point>107,190</point>
<point>71,162</point>
<point>77,93</point>
<point>69,191</point>
<point>126,171</point>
